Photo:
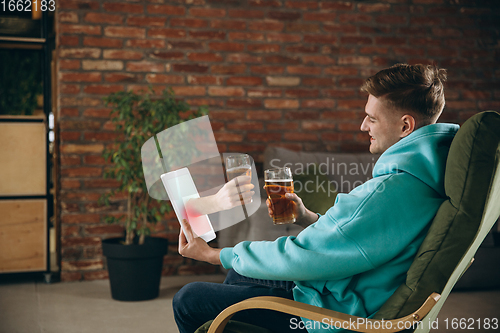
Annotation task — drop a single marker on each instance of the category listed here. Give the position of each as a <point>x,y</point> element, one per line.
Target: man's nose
<point>364,126</point>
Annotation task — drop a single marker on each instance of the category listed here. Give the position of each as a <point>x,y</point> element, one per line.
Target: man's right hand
<point>303,216</point>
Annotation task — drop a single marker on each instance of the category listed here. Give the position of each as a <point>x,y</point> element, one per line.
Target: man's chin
<point>374,149</point>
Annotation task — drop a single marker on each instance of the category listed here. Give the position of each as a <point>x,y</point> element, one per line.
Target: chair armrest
<point>324,315</point>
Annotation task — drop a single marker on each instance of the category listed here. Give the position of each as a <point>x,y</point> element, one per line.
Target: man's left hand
<point>192,246</point>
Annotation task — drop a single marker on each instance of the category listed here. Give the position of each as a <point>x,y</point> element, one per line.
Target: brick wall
<point>274,72</point>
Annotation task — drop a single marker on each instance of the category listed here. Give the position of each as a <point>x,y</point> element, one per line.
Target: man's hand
<point>234,193</point>
<point>303,216</point>
<point>194,247</point>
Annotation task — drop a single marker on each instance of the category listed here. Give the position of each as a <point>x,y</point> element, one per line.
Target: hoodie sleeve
<point>357,234</point>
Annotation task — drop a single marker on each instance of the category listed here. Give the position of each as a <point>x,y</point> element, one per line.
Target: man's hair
<point>416,89</point>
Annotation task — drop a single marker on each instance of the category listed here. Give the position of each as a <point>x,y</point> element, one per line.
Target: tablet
<point>180,188</point>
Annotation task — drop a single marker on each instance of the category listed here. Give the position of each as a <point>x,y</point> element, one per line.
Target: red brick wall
<point>271,71</point>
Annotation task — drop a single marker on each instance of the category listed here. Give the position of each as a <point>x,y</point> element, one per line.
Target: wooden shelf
<point>22,39</point>
<point>23,171</point>
<point>23,237</point>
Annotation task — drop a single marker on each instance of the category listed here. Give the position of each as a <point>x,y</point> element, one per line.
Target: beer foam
<point>278,180</point>
<point>239,167</point>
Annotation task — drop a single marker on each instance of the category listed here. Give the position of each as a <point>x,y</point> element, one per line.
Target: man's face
<point>383,125</point>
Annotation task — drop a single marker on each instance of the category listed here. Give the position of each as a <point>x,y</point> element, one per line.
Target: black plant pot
<point>135,270</point>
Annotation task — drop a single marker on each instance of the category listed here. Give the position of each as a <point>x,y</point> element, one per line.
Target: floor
<point>87,307</point>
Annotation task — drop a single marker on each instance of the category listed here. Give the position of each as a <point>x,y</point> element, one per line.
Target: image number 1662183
<point>28,5</point>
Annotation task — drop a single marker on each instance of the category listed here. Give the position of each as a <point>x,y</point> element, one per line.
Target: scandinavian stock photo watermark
<point>341,177</point>
<point>364,323</point>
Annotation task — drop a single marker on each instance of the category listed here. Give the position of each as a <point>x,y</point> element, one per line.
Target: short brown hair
<point>417,89</point>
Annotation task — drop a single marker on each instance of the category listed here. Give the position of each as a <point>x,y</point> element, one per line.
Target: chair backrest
<point>472,184</point>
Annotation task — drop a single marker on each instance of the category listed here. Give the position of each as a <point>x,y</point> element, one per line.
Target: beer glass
<point>238,165</point>
<point>278,183</point>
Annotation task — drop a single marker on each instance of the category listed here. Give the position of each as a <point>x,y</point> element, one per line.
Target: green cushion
<point>469,169</point>
<point>312,188</point>
<point>235,327</point>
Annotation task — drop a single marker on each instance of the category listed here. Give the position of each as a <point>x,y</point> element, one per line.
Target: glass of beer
<point>238,165</point>
<point>278,183</point>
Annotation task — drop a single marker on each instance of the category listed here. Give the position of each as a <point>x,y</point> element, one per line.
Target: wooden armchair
<point>472,184</point>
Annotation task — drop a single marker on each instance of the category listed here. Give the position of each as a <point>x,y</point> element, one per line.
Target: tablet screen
<point>180,190</point>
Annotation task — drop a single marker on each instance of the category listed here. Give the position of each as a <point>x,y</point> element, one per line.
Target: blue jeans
<point>199,302</point>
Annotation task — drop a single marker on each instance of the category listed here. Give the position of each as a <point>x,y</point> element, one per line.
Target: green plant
<point>138,117</point>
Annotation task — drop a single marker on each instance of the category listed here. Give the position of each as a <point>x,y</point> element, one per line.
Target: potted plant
<point>135,261</point>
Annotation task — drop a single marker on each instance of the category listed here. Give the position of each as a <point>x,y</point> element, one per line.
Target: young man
<point>355,256</point>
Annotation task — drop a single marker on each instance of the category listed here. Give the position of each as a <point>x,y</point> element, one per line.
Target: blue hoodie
<point>356,255</point>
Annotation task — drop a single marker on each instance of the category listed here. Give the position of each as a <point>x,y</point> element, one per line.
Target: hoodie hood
<point>422,154</point>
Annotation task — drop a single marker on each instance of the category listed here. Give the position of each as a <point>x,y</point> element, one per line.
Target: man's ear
<point>408,123</point>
